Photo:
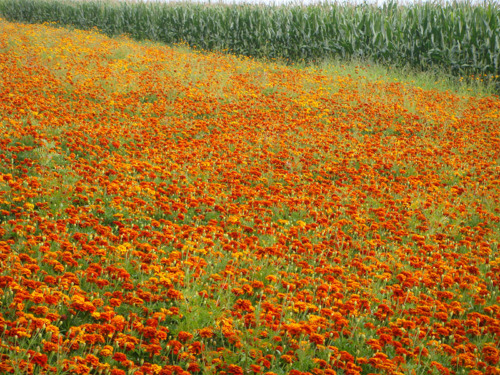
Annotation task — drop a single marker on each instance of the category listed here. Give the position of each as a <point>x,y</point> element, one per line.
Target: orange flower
<point>193,367</point>
<point>491,354</point>
<point>255,368</point>
<point>317,338</point>
<point>206,332</point>
<point>234,370</point>
<point>39,359</point>
<point>184,336</point>
<point>120,357</point>
<point>50,347</point>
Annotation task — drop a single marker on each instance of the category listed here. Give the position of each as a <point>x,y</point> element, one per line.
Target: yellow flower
<point>156,368</point>
<point>107,351</point>
<point>29,206</point>
<point>233,219</point>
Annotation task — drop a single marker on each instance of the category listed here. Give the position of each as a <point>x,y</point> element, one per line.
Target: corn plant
<point>459,37</point>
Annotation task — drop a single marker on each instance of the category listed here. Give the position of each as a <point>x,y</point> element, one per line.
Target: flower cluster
<point>170,212</point>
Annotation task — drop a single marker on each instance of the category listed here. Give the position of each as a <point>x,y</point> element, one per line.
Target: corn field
<point>459,37</point>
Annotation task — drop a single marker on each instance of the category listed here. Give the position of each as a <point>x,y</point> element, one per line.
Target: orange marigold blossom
<point>184,336</point>
<point>206,332</point>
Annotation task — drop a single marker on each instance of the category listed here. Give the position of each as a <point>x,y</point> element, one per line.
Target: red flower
<point>184,336</point>
<point>491,354</point>
<point>39,359</point>
<point>255,368</point>
<point>120,357</point>
<point>193,367</point>
<point>317,338</point>
<point>235,370</point>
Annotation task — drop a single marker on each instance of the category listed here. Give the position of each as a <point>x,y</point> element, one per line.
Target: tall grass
<point>460,37</point>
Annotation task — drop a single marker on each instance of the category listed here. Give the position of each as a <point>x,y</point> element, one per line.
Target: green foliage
<point>460,37</point>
